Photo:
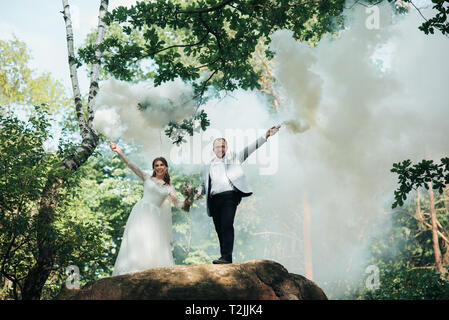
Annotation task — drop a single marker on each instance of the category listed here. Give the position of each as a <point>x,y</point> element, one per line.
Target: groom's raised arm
<point>249,149</point>
<point>246,152</point>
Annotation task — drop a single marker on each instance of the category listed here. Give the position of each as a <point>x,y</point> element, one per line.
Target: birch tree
<point>39,273</point>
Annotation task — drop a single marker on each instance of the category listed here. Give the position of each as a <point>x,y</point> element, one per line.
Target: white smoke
<point>372,97</point>
<point>118,114</point>
<point>360,102</point>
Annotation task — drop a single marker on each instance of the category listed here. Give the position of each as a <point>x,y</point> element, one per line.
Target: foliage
<point>418,175</point>
<point>404,256</point>
<point>25,166</point>
<point>178,131</point>
<point>401,283</point>
<point>210,44</point>
<point>439,21</point>
<point>20,85</point>
<point>221,36</point>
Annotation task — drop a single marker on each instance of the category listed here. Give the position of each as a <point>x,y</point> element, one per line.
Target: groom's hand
<point>272,131</point>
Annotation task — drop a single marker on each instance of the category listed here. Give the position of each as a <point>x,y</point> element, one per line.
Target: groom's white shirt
<point>233,171</point>
<point>219,180</point>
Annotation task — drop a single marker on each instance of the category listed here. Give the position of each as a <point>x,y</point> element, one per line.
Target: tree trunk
<point>418,204</point>
<point>446,254</point>
<point>435,241</point>
<point>446,243</point>
<point>39,273</point>
<point>307,242</point>
<point>419,214</point>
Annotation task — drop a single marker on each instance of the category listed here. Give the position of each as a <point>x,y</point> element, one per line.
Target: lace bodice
<point>155,191</point>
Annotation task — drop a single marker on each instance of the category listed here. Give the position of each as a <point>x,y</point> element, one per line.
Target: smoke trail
<point>302,85</point>
<point>139,112</point>
<point>361,102</point>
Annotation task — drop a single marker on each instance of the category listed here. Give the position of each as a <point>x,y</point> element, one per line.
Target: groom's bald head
<point>219,147</point>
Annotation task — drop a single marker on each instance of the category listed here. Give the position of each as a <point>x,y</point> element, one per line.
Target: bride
<point>148,231</point>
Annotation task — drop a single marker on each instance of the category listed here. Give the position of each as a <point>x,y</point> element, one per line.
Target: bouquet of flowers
<point>188,191</point>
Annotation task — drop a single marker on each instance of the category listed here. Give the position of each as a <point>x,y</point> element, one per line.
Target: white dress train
<point>148,231</point>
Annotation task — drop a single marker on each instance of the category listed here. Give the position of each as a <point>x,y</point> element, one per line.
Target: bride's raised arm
<point>178,204</point>
<point>128,161</point>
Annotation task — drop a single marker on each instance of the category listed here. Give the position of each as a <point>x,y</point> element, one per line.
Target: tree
<point>25,160</point>
<point>431,176</point>
<point>72,160</point>
<point>78,236</point>
<point>403,253</point>
<point>18,83</point>
<point>24,163</point>
<point>408,269</point>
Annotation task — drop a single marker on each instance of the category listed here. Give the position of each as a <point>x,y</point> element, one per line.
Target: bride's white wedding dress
<point>148,231</point>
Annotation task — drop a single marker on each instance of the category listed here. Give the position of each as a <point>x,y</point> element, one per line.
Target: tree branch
<point>217,38</point>
<point>94,75</point>
<point>362,4</point>
<point>435,232</point>
<point>205,10</point>
<point>203,88</point>
<point>427,225</point>
<point>209,30</point>
<point>73,68</point>
<point>6,255</point>
<point>179,46</point>
<point>418,10</point>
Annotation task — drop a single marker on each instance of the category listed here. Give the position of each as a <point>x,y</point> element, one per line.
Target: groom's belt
<point>225,194</point>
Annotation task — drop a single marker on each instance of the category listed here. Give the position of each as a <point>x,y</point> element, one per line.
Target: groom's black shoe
<point>221,261</point>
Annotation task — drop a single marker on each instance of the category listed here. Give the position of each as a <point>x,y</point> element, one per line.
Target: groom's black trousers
<point>222,208</point>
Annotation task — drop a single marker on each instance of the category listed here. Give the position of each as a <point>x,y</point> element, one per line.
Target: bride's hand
<point>114,147</point>
<point>197,196</point>
<point>186,205</point>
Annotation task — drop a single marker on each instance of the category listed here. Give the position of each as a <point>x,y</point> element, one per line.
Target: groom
<point>225,184</point>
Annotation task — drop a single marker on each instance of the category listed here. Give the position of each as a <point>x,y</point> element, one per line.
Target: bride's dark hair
<point>166,176</point>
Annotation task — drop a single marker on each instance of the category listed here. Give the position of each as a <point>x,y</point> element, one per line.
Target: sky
<point>41,26</point>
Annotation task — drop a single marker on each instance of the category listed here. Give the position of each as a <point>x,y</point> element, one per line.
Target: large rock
<point>254,280</point>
